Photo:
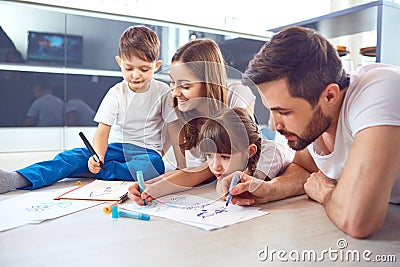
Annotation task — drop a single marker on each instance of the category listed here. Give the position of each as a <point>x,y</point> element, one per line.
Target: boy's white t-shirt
<point>137,118</point>
<point>372,99</point>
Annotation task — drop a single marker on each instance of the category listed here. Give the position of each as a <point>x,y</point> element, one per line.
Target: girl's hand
<point>94,167</point>
<point>150,192</point>
<point>134,194</point>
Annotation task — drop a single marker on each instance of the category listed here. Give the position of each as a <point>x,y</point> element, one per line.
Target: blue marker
<point>139,176</point>
<point>234,181</point>
<point>115,213</point>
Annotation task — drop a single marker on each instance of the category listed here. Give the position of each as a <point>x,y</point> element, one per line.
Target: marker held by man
<point>91,150</point>
<point>234,181</point>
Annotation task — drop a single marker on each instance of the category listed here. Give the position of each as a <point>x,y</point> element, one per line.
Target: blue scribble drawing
<point>47,206</point>
<point>210,213</point>
<point>196,208</point>
<point>150,205</point>
<point>108,190</point>
<point>173,203</point>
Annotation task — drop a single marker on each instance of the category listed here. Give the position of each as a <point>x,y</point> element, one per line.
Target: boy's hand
<point>94,167</point>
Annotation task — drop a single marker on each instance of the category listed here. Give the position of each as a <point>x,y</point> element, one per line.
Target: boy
<point>130,119</point>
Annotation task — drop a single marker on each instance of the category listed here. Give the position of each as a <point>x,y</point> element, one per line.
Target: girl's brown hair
<point>231,131</point>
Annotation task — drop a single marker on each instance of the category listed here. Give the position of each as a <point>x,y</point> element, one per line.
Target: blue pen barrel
<point>134,215</point>
<point>234,181</point>
<point>140,179</point>
<point>115,213</point>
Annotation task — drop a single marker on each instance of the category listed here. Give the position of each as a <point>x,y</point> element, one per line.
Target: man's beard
<point>318,124</point>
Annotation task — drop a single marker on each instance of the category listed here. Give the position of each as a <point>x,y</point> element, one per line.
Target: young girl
<point>231,142</point>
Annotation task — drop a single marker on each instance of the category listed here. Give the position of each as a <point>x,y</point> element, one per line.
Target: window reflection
<point>47,109</point>
<point>58,41</point>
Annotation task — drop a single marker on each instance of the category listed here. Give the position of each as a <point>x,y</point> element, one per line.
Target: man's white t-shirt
<point>137,118</point>
<point>372,99</point>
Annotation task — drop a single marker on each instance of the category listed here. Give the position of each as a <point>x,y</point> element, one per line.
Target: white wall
<point>250,16</point>
<point>22,146</point>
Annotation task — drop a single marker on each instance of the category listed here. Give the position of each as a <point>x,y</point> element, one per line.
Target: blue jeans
<point>120,162</point>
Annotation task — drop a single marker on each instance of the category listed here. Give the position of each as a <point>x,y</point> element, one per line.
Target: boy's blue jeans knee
<point>120,163</point>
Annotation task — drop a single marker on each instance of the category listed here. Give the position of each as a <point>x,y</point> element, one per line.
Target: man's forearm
<point>289,184</point>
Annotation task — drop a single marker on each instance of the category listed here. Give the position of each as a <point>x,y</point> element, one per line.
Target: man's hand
<point>319,187</point>
<point>249,190</point>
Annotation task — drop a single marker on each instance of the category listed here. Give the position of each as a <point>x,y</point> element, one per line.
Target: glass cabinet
<point>62,60</point>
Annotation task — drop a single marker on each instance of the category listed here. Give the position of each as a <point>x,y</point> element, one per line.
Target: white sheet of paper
<point>196,211</point>
<point>35,207</point>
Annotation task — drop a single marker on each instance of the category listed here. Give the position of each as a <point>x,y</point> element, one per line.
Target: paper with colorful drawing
<point>35,207</point>
<point>99,190</point>
<point>196,211</point>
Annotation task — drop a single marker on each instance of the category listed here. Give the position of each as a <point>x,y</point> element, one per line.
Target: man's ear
<point>331,94</point>
<point>252,150</point>
<point>158,64</point>
<point>118,59</point>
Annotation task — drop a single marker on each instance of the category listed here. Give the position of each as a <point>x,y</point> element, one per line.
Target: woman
<point>200,90</point>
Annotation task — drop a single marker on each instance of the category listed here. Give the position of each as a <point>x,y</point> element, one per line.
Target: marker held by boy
<point>234,181</point>
<point>139,176</point>
<point>91,150</point>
